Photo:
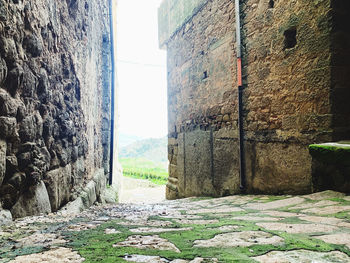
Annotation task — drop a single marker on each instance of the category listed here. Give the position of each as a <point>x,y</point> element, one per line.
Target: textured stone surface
<point>276,204</point>
<point>245,239</point>
<point>339,239</point>
<point>58,183</point>
<point>157,230</point>
<point>5,217</point>
<point>2,160</point>
<point>33,202</point>
<point>148,242</point>
<point>293,95</point>
<point>303,256</point>
<point>225,237</point>
<point>64,255</point>
<point>327,210</point>
<point>298,228</point>
<point>55,82</point>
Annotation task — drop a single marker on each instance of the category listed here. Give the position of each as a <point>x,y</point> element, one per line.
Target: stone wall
<point>289,97</point>
<point>54,102</point>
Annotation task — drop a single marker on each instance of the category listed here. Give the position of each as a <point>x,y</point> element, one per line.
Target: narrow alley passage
<point>310,228</point>
<point>140,191</point>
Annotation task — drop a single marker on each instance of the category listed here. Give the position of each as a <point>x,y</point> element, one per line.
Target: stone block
<point>171,192</point>
<point>35,201</point>
<point>277,168</point>
<point>226,165</point>
<point>73,208</point>
<point>58,183</point>
<point>8,105</point>
<point>3,11</point>
<point>89,196</point>
<point>3,71</point>
<point>5,217</point>
<point>8,127</point>
<point>195,169</point>
<point>3,147</point>
<point>100,180</point>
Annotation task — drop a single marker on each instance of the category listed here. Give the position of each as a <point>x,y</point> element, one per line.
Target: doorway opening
<point>142,103</point>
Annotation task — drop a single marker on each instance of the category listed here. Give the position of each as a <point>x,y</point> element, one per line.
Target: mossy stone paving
<point>230,229</point>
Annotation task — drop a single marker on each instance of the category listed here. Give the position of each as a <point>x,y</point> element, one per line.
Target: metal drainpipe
<point>240,101</point>
<point>112,92</point>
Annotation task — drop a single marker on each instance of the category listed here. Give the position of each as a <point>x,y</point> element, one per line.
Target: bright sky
<point>141,70</point>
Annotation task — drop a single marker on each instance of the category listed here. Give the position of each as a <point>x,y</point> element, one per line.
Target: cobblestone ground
<point>311,228</point>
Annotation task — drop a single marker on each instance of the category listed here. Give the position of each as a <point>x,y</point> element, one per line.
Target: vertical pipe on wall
<point>112,92</point>
<point>240,101</point>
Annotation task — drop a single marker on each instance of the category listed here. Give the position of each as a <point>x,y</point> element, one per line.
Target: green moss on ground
<point>95,246</point>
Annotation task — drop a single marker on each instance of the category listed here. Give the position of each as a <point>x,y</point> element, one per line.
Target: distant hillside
<point>151,149</point>
<point>127,139</point>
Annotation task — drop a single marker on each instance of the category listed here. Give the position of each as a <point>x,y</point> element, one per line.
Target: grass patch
<point>140,168</point>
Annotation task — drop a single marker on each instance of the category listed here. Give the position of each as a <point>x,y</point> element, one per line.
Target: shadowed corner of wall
<point>113,192</point>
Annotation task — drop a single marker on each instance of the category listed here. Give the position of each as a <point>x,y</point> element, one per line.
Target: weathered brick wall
<point>54,75</point>
<point>287,96</point>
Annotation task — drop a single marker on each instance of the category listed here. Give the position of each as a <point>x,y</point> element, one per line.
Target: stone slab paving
<point>298,228</point>
<point>328,210</point>
<point>148,242</point>
<point>275,204</point>
<point>339,239</point>
<point>62,255</point>
<point>309,228</point>
<point>303,256</point>
<point>236,239</point>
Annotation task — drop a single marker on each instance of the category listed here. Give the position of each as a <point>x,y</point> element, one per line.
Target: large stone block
<point>226,163</point>
<point>8,128</point>
<point>58,183</point>
<point>5,217</point>
<point>278,168</point>
<point>2,160</point>
<point>35,201</point>
<point>101,181</point>
<point>8,105</point>
<point>196,175</point>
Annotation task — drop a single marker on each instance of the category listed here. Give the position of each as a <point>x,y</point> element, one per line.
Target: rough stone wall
<point>289,101</point>
<point>54,80</point>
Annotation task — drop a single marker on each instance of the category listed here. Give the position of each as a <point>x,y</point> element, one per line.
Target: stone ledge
<point>332,152</point>
<point>331,166</point>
